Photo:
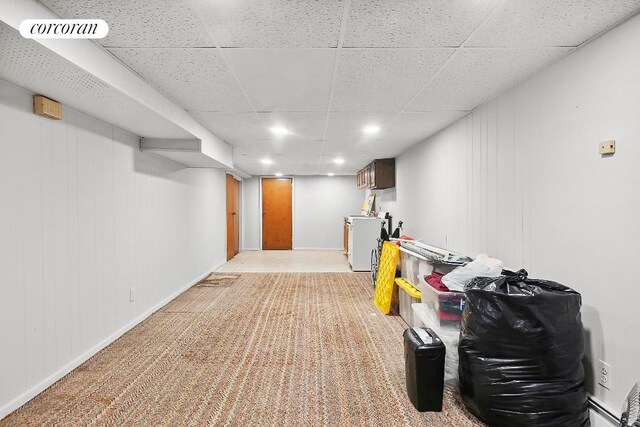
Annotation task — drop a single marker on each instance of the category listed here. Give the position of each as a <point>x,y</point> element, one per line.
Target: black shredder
<point>424,368</point>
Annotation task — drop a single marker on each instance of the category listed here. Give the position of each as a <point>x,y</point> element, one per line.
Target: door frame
<point>239,213</point>
<point>293,207</point>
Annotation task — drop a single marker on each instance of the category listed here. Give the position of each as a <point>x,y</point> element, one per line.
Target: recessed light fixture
<point>371,129</point>
<point>266,161</point>
<point>338,161</point>
<point>279,130</point>
<point>330,174</point>
<point>279,174</point>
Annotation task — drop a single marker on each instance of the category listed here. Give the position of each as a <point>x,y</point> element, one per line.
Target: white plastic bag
<point>482,266</point>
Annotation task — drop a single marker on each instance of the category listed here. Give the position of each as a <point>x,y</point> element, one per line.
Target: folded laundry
<point>447,305</point>
<point>448,316</point>
<point>435,281</point>
<point>452,304</point>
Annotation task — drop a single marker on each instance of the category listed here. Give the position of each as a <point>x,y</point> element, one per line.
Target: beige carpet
<point>261,349</point>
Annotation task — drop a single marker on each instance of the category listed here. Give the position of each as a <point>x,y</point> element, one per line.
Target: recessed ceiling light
<point>371,129</point>
<point>330,174</point>
<point>279,174</point>
<point>279,130</point>
<point>338,161</point>
<point>266,161</point>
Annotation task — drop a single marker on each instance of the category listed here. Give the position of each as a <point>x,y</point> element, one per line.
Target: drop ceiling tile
<point>345,126</point>
<point>405,131</point>
<point>303,126</point>
<point>411,128</point>
<point>411,23</point>
<point>348,149</point>
<point>196,78</point>
<point>351,164</point>
<point>358,154</point>
<point>158,23</point>
<point>383,79</point>
<point>474,76</point>
<point>232,127</point>
<point>276,149</point>
<point>242,128</point>
<point>284,79</point>
<point>529,23</point>
<point>306,148</point>
<point>288,165</point>
<point>273,23</point>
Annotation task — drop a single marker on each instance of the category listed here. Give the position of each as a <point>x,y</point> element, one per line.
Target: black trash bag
<point>521,347</point>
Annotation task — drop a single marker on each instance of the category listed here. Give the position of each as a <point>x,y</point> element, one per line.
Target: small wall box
<point>607,148</point>
<point>46,107</point>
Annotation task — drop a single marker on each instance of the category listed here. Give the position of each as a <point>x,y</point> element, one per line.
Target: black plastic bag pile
<point>521,348</point>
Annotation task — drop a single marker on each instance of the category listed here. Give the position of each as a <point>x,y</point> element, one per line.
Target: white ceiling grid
<point>323,69</point>
<point>284,79</point>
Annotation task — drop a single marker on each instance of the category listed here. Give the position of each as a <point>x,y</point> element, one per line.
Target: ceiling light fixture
<point>278,174</point>
<point>279,130</point>
<point>371,129</point>
<point>338,161</point>
<point>330,174</point>
<point>266,161</point>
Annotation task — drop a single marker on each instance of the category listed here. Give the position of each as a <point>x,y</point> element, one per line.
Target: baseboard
<point>49,381</point>
<point>604,414</point>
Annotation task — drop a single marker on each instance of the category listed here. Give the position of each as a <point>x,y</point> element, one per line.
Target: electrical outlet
<point>132,294</point>
<point>604,374</point>
<point>607,147</point>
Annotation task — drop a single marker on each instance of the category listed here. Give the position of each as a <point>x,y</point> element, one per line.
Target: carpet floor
<point>264,349</point>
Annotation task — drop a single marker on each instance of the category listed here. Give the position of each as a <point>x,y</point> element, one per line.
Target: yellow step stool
<point>386,276</point>
<point>409,288</point>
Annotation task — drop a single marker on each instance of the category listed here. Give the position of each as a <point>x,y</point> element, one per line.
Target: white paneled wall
<point>85,217</point>
<point>320,204</point>
<point>250,214</point>
<point>521,179</point>
<point>385,201</point>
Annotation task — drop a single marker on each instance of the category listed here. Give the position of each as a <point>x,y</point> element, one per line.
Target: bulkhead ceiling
<point>303,83</point>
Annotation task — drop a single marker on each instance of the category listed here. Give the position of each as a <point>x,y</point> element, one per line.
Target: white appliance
<point>363,237</point>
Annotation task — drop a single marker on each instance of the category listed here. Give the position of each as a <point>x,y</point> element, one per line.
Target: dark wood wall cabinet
<point>378,175</point>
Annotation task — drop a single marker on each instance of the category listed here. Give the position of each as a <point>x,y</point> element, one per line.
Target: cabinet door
<point>385,172</point>
<point>372,175</point>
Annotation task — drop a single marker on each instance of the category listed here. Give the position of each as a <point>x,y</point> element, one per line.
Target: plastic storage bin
<point>449,337</point>
<point>424,355</point>
<point>446,306</point>
<point>412,268</point>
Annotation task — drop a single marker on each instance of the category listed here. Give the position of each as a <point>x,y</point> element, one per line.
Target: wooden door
<point>345,236</point>
<point>233,228</point>
<point>277,223</point>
